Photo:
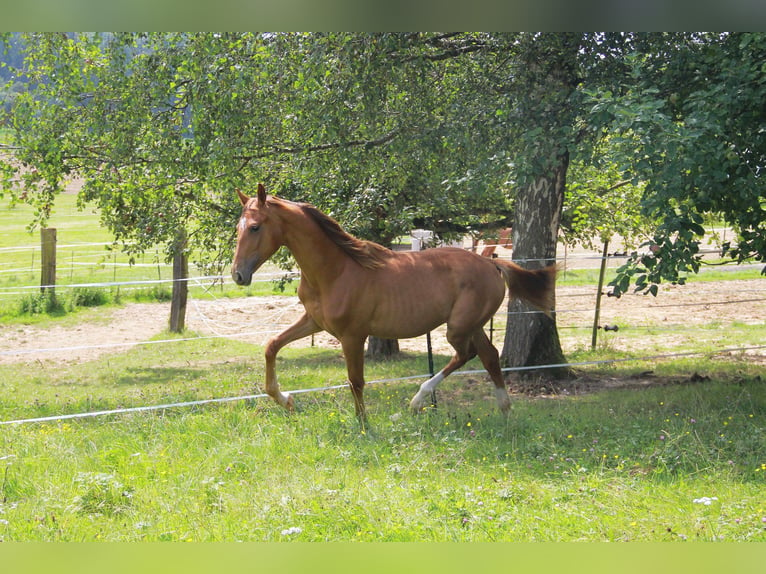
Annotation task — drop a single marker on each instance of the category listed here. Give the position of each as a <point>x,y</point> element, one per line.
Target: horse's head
<point>258,236</point>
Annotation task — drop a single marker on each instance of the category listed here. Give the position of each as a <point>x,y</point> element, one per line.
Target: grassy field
<point>676,461</point>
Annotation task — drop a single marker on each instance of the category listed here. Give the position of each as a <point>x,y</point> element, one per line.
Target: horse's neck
<point>318,257</point>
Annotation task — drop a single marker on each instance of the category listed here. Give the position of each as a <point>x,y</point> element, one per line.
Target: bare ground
<point>671,318</point>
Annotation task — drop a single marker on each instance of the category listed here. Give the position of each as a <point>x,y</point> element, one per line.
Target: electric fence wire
<point>201,402</point>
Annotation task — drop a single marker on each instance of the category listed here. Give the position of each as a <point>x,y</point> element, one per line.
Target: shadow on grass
<point>319,357</point>
<point>139,376</point>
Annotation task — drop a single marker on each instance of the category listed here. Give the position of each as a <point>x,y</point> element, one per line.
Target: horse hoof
<point>420,408</point>
<point>289,403</point>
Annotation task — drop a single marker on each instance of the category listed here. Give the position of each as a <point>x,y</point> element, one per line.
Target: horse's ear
<point>243,199</point>
<point>261,194</point>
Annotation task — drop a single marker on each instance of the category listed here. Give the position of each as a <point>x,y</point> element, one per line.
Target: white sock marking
<point>426,389</point>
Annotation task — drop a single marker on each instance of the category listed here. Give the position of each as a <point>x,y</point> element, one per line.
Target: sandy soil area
<point>256,319</point>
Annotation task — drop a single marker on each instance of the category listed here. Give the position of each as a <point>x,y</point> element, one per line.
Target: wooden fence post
<point>180,284</point>
<point>597,315</point>
<point>48,261</point>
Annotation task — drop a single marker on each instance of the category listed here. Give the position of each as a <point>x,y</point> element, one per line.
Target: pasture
<point>650,449</point>
<point>680,459</point>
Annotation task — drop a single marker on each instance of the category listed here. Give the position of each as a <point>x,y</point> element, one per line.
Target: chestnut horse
<point>353,288</point>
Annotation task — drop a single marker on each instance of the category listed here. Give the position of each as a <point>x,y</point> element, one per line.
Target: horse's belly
<point>407,319</point>
<point>386,330</point>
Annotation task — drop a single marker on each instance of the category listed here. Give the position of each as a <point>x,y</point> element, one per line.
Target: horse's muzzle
<point>241,278</point>
<point>243,274</point>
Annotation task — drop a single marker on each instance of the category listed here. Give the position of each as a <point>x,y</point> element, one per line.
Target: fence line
<point>219,334</point>
<point>566,257</point>
<point>211,278</point>
<point>200,402</point>
<point>294,274</point>
<point>60,246</point>
<point>222,278</point>
<point>217,328</point>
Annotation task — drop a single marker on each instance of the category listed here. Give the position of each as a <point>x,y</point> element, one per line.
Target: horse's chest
<point>332,313</point>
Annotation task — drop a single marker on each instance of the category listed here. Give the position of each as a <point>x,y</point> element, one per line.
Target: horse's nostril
<point>240,278</point>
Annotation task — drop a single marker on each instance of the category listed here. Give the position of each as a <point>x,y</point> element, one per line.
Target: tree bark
<point>531,338</point>
<point>378,348</point>
<point>180,284</point>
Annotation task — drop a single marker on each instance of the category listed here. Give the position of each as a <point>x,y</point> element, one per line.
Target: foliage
<point>164,126</point>
<point>48,303</point>
<point>39,303</point>
<point>690,128</point>
<point>600,205</point>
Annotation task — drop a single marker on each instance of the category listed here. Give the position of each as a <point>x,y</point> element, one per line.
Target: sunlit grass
<point>612,465</point>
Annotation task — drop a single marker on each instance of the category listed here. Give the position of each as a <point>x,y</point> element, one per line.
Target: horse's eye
<point>254,228</point>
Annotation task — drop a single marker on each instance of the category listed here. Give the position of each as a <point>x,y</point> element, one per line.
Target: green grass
<point>612,465</point>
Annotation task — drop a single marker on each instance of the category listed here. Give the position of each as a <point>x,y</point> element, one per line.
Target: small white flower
<point>292,530</point>
<point>706,500</point>
<point>3,521</point>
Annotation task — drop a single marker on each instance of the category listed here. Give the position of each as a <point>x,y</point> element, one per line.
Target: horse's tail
<point>536,287</point>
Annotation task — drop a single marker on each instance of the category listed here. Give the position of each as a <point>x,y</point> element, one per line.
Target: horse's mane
<point>368,254</point>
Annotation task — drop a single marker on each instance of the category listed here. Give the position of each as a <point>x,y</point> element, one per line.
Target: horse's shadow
<point>143,376</point>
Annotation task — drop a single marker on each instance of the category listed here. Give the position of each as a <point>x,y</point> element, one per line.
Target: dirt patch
<point>668,319</point>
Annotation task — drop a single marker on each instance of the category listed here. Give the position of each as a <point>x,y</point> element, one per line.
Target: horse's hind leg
<point>464,352</point>
<point>301,328</point>
<point>491,361</point>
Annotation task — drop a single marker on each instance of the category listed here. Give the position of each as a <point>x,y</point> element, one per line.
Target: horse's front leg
<point>353,351</point>
<point>301,328</point>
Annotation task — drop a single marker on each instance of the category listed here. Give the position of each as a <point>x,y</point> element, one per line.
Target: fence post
<point>597,315</point>
<point>180,284</point>
<point>48,260</point>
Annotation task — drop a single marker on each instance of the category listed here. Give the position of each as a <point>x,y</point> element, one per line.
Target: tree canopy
<point>456,132</point>
<point>690,126</point>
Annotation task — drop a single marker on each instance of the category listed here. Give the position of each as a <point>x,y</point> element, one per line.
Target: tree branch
<point>275,149</point>
<point>442,226</point>
<point>617,185</point>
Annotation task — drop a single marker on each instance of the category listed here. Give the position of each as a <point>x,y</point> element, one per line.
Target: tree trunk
<point>180,284</point>
<point>531,337</point>
<point>378,348</point>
